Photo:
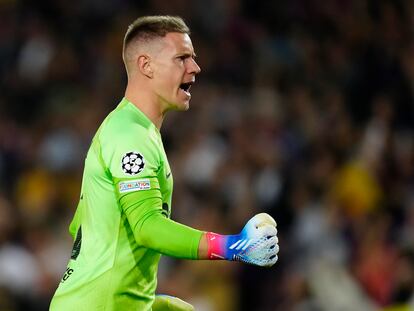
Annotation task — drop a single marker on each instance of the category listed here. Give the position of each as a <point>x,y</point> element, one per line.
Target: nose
<point>193,67</point>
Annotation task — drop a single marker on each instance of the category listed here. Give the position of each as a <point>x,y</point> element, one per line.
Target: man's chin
<point>184,106</point>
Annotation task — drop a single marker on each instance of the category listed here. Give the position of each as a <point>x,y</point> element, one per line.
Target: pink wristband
<point>215,246</point>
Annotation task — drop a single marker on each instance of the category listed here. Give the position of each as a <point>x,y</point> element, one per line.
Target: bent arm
<point>256,244</point>
<point>153,230</point>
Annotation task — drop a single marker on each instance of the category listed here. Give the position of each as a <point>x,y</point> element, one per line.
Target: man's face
<point>174,71</point>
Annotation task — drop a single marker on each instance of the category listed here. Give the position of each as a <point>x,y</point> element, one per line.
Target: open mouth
<point>186,86</point>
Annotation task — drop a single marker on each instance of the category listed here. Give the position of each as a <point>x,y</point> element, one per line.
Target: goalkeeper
<point>122,223</point>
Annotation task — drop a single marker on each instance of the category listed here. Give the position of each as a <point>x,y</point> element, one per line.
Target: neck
<point>147,103</point>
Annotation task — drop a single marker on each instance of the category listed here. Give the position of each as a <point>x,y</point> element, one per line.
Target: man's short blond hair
<point>147,28</point>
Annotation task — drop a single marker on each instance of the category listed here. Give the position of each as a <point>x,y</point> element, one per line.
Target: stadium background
<point>304,110</point>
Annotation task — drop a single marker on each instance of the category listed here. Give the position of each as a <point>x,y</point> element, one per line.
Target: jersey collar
<point>141,117</point>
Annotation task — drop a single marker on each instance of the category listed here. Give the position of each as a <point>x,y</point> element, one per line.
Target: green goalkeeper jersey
<point>121,224</point>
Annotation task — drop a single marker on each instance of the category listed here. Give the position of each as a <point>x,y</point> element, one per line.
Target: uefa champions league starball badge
<point>133,163</point>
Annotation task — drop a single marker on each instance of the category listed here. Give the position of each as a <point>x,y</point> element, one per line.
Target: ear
<point>144,65</point>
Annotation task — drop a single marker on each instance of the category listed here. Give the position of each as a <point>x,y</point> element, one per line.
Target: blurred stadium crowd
<point>304,109</point>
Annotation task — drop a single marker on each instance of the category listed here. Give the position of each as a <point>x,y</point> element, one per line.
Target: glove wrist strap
<point>216,246</point>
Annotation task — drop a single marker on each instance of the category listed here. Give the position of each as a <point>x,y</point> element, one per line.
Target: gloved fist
<point>170,303</point>
<point>257,243</point>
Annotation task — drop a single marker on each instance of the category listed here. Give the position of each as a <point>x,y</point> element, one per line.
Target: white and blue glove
<point>256,244</point>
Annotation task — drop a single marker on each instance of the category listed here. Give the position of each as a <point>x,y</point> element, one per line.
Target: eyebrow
<point>193,55</point>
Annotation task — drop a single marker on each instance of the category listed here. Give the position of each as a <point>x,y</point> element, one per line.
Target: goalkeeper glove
<point>256,244</point>
<point>170,303</point>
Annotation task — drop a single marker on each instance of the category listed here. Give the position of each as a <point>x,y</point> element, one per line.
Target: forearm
<point>169,237</point>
